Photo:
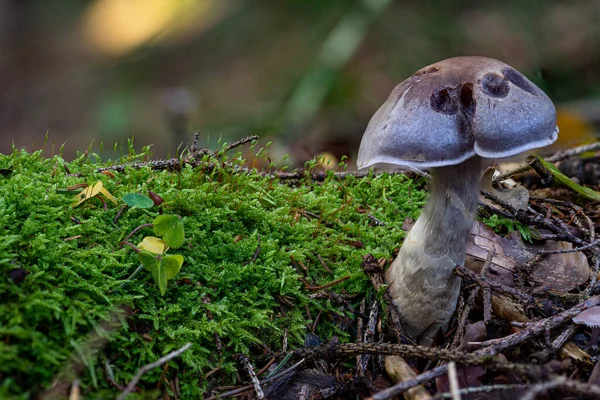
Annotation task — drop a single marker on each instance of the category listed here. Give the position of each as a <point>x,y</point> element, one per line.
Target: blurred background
<point>306,74</point>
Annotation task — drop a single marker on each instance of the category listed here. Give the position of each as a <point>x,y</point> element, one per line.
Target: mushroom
<point>447,117</point>
<point>591,318</point>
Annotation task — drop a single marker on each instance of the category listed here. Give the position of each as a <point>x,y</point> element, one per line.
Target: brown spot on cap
<point>517,79</point>
<point>444,101</point>
<point>495,85</point>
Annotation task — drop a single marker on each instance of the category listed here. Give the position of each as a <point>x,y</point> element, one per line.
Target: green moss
<point>503,226</point>
<point>222,301</point>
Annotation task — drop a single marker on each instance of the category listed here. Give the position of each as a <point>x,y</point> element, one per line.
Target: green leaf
<point>149,261</point>
<point>171,264</point>
<point>138,200</point>
<point>562,178</point>
<point>161,268</point>
<point>170,228</point>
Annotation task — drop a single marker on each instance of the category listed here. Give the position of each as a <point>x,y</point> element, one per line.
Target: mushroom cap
<point>589,317</point>
<point>455,109</point>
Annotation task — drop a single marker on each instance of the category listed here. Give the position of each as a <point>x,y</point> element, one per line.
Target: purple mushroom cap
<point>591,318</point>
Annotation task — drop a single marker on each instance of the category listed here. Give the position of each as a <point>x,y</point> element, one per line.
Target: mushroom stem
<point>594,337</point>
<point>421,282</point>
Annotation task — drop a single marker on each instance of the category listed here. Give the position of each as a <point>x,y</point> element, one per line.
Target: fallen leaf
<point>561,272</point>
<point>482,240</point>
<point>87,193</point>
<point>92,191</point>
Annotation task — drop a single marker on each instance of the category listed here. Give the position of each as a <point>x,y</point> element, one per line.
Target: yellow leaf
<point>572,351</point>
<point>109,196</point>
<point>87,193</point>
<point>152,244</point>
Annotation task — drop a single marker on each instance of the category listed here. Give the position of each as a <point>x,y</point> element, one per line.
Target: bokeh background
<point>305,74</point>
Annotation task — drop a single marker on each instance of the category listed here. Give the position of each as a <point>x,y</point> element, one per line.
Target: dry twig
<point>534,329</point>
<point>129,388</point>
<point>484,282</point>
<point>259,392</point>
<point>561,155</point>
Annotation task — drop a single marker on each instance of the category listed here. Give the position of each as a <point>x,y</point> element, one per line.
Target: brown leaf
<point>482,239</point>
<point>561,272</point>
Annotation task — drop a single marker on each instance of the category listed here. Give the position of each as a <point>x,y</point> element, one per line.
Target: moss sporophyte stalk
<point>72,308</point>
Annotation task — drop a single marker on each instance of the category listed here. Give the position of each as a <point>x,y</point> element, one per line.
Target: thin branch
<point>574,250</point>
<point>129,388</point>
<point>453,380</point>
<point>248,387</point>
<point>480,389</point>
<point>487,283</point>
<point>401,387</point>
<point>561,155</point>
<point>534,329</point>
<point>235,144</point>
<point>259,392</point>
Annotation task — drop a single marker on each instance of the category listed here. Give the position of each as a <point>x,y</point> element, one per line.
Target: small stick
<point>314,325</point>
<point>194,148</point>
<point>487,305</point>
<point>327,285</point>
<point>554,225</point>
<point>259,392</point>
<point>235,144</point>
<point>594,280</point>
<point>494,346</point>
<point>543,387</point>
<point>266,367</point>
<point>544,355</point>
<point>129,388</point>
<point>359,339</point>
<point>542,171</point>
<point>576,249</point>
<point>487,292</point>
<point>324,264</point>
<point>162,376</point>
<point>406,385</point>
<point>256,252</point>
<point>284,344</point>
<point>462,321</point>
<point>247,387</point>
<point>369,333</point>
<point>487,283</point>
<point>75,391</point>
<point>453,379</point>
<point>561,155</point>
<point>480,389</point>
<point>460,331</point>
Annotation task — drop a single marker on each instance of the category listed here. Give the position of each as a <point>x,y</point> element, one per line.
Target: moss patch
<point>228,297</point>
